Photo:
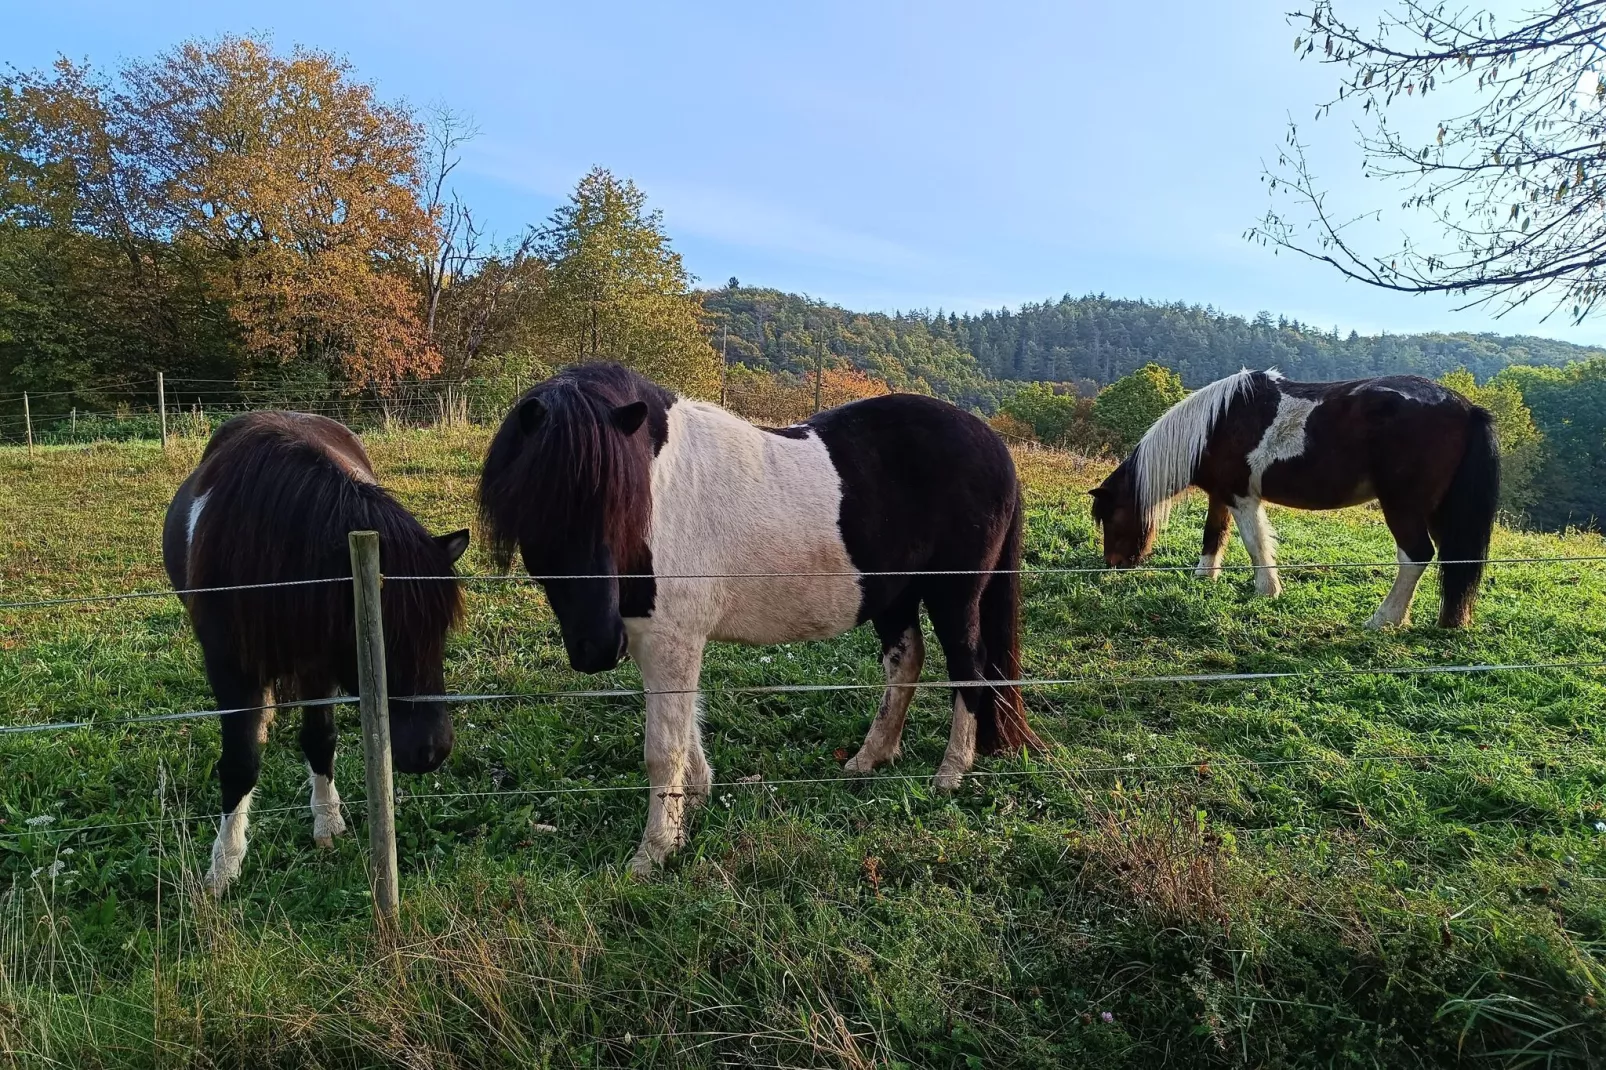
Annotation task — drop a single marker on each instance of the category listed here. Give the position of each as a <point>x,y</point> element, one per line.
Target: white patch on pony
<point>1395,612</point>
<point>961,753</point>
<point>326,820</point>
<point>1425,393</point>
<point>902,664</point>
<point>1168,454</point>
<point>1283,440</point>
<point>1210,564</point>
<point>228,850</point>
<point>197,503</point>
<point>731,499</point>
<point>1260,539</point>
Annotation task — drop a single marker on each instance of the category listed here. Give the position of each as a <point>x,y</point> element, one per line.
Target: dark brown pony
<point>1426,454</point>
<point>272,500</point>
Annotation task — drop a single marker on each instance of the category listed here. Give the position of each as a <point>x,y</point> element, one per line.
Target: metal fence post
<point>374,702</point>
<point>27,421</point>
<point>161,405</point>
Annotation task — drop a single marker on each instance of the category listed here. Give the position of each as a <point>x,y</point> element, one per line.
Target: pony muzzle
<point>590,655</point>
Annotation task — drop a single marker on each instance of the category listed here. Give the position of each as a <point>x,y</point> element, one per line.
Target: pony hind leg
<point>239,765</point>
<point>956,619</point>
<point>1413,550</point>
<point>1260,539</point>
<point>678,772</point>
<point>318,745</point>
<point>903,654</point>
<point>1218,523</point>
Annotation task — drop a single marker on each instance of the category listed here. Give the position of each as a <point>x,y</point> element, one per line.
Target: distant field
<point>1331,870</point>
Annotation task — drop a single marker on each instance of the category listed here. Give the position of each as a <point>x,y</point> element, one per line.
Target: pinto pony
<point>272,500</point>
<point>1425,453</point>
<point>656,523</point>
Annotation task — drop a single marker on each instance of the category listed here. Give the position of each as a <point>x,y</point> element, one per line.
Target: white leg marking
<point>326,820</point>
<point>961,754</point>
<point>229,848</point>
<point>1261,542</point>
<point>677,768</point>
<point>884,740</point>
<point>1396,608</point>
<point>1210,564</point>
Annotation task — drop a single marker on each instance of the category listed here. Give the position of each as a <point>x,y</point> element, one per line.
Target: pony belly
<point>785,610</point>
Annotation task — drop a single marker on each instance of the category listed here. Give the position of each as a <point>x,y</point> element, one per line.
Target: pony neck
<point>1167,457</point>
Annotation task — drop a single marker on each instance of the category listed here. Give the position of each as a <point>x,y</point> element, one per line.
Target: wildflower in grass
<point>1600,826</point>
<point>765,660</point>
<point>53,870</point>
<point>1106,1017</point>
<point>41,821</point>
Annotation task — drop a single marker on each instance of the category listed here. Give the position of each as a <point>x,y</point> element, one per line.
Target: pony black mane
<point>282,490</point>
<point>558,474</point>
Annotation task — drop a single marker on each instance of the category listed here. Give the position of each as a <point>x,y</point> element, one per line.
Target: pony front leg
<point>1218,519</point>
<point>1261,542</point>
<point>318,745</point>
<point>677,770</point>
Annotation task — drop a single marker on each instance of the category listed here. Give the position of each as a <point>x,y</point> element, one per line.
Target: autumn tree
<point>303,186</point>
<point>1504,177</point>
<point>616,290</point>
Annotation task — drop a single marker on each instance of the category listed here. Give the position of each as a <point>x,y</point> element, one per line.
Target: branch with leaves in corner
<point>1510,176</point>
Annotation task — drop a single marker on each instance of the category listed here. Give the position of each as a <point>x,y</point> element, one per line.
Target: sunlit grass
<point>1205,874</point>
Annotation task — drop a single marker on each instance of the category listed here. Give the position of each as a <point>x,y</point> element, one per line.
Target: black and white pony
<point>601,475</point>
<point>272,500</point>
<point>1425,453</point>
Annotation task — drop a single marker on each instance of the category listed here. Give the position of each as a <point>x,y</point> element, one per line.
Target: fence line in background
<point>1033,571</point>
<point>793,689</point>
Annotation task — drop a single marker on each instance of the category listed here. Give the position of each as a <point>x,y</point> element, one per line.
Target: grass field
<point>1335,870</point>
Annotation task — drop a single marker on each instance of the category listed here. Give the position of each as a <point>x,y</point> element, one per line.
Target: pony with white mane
<point>1424,453</point>
<point>656,523</point>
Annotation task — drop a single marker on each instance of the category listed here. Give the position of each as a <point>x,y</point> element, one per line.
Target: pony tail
<point>1002,728</point>
<point>1464,521</point>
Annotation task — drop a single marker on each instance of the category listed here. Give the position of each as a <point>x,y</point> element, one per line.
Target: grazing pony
<point>272,500</point>
<point>680,523</point>
<point>1425,453</point>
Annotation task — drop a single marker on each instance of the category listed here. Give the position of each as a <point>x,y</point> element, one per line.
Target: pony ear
<point>1099,493</point>
<point>531,413</point>
<point>629,418</point>
<point>454,544</point>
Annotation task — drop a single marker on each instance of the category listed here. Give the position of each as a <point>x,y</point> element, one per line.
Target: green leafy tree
<point>1569,408</point>
<point>1129,405</point>
<point>616,290</point>
<point>1522,445</point>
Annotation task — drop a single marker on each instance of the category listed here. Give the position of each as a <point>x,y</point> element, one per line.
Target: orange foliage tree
<point>302,188</point>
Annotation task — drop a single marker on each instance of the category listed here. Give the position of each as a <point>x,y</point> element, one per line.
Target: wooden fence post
<point>161,404</point>
<point>374,700</point>
<point>27,422</point>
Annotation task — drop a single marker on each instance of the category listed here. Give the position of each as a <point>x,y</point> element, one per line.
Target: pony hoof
<point>218,882</point>
<point>1377,623</point>
<point>860,764</point>
<point>641,865</point>
<point>947,781</point>
<point>324,830</point>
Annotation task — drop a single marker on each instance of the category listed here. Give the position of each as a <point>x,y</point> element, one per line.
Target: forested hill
<point>1095,339</point>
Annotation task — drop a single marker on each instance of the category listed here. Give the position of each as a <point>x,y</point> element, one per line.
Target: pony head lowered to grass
<point>273,499</point>
<point>1427,455</point>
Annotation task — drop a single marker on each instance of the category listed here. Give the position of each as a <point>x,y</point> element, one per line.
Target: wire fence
<point>1029,571</point>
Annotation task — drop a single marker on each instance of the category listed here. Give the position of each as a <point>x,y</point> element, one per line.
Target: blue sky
<point>883,156</point>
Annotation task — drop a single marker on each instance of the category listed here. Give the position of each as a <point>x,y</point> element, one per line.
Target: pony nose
<point>592,656</point>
